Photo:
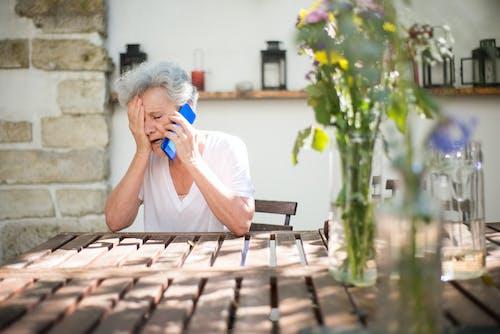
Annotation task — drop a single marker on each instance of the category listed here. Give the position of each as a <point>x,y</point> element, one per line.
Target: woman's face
<point>157,108</point>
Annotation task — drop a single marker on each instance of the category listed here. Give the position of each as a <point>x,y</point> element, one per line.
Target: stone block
<point>14,53</point>
<point>17,237</point>
<point>82,96</point>
<point>39,166</point>
<point>66,16</point>
<point>69,55</point>
<point>25,203</point>
<point>81,202</point>
<point>15,132</point>
<point>75,131</point>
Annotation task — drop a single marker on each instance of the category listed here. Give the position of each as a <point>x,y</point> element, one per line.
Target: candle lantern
<point>131,58</point>
<point>198,72</point>
<point>438,71</point>
<point>439,74</point>
<point>273,67</point>
<point>485,64</point>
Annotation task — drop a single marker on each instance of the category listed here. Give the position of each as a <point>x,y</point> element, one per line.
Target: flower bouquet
<point>358,78</point>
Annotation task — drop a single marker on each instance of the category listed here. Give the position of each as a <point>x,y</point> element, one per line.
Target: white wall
<point>232,33</point>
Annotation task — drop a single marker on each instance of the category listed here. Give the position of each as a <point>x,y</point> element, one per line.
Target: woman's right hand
<point>136,125</point>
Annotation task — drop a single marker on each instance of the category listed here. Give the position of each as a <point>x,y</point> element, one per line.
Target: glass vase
<point>351,221</point>
<point>457,185</point>
<point>409,269</point>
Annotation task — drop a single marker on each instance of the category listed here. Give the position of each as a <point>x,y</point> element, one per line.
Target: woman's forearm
<point>123,202</point>
<point>231,210</point>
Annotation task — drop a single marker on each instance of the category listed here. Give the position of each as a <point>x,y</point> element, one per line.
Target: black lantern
<point>131,58</point>
<point>273,67</point>
<point>436,71</point>
<point>439,74</point>
<point>485,64</point>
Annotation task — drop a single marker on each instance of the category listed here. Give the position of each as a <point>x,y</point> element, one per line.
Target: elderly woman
<point>205,188</point>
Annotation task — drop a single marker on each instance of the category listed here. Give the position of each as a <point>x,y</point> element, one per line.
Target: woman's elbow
<point>111,221</point>
<point>241,229</point>
<point>244,223</point>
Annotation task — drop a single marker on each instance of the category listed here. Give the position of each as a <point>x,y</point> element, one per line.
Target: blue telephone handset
<point>168,146</point>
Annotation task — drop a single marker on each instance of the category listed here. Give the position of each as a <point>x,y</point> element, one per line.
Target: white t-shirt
<point>164,211</point>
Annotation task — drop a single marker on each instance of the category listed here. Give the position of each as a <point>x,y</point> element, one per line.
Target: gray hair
<point>165,74</point>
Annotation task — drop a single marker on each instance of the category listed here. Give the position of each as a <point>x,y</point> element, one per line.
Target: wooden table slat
<point>176,252</point>
<point>211,314</point>
<point>64,252</point>
<point>39,251</point>
<point>295,305</point>
<point>254,309</point>
<point>146,254</point>
<point>10,286</point>
<point>120,252</point>
<point>493,236</point>
<point>335,306</point>
<point>364,300</point>
<point>494,226</point>
<point>174,308</point>
<point>91,252</point>
<point>92,308</point>
<point>487,296</point>
<point>129,312</point>
<point>463,309</point>
<point>50,310</point>
<point>314,248</point>
<point>16,307</point>
<point>287,252</point>
<point>230,253</point>
<point>258,254</point>
<point>203,252</point>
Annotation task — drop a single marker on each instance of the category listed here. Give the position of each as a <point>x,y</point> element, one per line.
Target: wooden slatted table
<point>207,283</point>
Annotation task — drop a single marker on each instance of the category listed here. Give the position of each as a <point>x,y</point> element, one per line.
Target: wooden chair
<point>274,207</point>
<point>392,185</point>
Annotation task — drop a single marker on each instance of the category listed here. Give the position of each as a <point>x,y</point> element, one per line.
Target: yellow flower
<point>344,64</point>
<point>320,140</point>
<point>302,16</point>
<point>334,58</point>
<point>331,17</point>
<point>389,27</point>
<point>358,21</point>
<point>316,4</point>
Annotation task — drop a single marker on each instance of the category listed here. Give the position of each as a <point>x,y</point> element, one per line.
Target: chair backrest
<point>274,207</point>
<point>277,207</point>
<point>392,185</point>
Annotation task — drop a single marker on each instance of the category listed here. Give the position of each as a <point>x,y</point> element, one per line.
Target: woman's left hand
<point>184,137</point>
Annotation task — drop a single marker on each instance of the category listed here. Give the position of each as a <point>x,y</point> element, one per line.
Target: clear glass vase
<point>409,269</point>
<point>351,222</point>
<point>457,185</point>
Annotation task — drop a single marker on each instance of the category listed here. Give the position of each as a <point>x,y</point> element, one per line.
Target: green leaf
<point>299,143</point>
<point>426,103</point>
<point>320,140</point>
<point>314,91</point>
<point>398,112</point>
<point>321,112</point>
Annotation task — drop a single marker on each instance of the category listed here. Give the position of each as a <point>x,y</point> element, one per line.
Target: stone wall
<point>54,120</point>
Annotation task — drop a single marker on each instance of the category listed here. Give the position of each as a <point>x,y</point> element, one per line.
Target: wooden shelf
<point>254,95</point>
<point>466,91</point>
<point>300,94</point>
